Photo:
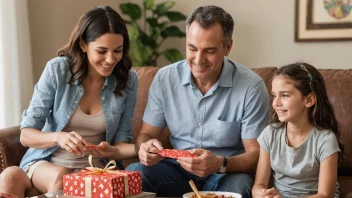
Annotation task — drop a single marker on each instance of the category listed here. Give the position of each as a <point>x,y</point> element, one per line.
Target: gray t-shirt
<point>296,170</point>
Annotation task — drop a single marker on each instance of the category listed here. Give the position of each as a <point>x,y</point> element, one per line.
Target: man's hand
<point>267,193</point>
<point>147,152</point>
<point>205,164</point>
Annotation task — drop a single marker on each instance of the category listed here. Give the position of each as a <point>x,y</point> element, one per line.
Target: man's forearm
<point>246,162</point>
<point>143,137</point>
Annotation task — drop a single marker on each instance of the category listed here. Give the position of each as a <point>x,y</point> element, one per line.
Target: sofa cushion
<point>339,87</point>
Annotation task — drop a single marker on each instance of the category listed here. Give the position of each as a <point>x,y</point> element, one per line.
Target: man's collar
<point>226,75</point>
<point>187,75</point>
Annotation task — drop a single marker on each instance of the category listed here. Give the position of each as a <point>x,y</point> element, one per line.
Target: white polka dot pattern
<point>174,153</point>
<point>102,185</point>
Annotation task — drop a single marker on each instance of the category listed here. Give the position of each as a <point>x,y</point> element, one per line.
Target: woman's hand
<point>71,141</point>
<point>104,149</point>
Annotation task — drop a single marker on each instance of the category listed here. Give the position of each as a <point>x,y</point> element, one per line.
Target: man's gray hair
<point>210,14</point>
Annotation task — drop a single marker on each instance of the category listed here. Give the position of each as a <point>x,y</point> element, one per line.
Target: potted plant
<point>157,26</point>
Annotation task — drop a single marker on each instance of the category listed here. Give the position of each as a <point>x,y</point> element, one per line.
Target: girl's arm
<point>263,174</point>
<point>327,177</point>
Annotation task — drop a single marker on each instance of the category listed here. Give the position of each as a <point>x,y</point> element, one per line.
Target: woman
<point>85,96</point>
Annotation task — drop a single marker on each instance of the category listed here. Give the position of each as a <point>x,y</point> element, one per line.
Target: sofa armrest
<point>11,149</point>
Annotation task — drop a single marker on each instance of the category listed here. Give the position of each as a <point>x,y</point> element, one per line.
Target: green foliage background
<point>158,26</point>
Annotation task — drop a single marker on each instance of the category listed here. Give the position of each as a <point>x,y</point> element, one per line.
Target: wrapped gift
<point>96,182</point>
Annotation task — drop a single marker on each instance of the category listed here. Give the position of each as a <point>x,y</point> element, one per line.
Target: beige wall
<point>51,23</point>
<point>264,32</point>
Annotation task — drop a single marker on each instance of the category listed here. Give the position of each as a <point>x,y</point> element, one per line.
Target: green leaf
<point>135,54</point>
<point>162,8</point>
<point>175,16</point>
<point>133,32</point>
<point>132,10</point>
<point>172,31</point>
<point>148,4</point>
<point>152,22</point>
<point>146,40</point>
<point>139,53</point>
<point>127,22</point>
<point>146,53</point>
<point>162,25</point>
<point>173,55</point>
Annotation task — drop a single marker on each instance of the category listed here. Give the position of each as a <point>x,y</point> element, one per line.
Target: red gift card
<point>175,153</point>
<point>92,147</point>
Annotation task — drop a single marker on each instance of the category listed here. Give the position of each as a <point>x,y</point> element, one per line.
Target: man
<point>212,106</point>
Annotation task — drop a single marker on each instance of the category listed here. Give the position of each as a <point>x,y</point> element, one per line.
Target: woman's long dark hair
<point>93,24</point>
<point>307,79</point>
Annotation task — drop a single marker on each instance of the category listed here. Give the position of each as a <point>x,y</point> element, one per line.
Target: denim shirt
<point>54,101</point>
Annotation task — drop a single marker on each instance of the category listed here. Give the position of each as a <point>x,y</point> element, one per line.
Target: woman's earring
<point>84,55</point>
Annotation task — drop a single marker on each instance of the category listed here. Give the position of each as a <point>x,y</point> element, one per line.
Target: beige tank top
<point>92,128</point>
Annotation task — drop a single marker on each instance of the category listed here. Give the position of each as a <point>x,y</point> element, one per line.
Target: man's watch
<point>224,166</point>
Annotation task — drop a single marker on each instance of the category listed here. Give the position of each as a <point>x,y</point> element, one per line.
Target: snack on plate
<point>211,195</point>
<point>175,153</point>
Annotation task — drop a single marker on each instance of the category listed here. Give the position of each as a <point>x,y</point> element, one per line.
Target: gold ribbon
<point>107,170</point>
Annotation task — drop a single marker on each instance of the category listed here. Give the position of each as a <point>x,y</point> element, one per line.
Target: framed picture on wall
<point>323,20</point>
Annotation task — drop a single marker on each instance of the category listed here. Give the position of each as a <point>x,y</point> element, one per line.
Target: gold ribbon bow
<point>107,170</point>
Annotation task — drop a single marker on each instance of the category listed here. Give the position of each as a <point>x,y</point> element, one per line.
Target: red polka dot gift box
<point>96,182</point>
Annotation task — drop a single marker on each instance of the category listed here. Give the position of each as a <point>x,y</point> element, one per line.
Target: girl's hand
<point>268,193</point>
<point>71,141</point>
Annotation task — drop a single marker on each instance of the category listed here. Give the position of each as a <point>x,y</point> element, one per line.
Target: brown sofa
<point>339,86</point>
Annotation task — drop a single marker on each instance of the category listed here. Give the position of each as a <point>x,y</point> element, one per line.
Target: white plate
<point>226,194</point>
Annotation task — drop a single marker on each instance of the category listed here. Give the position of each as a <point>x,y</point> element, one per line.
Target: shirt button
<point>200,124</point>
<point>198,143</point>
<point>68,116</point>
<point>76,101</point>
<point>103,98</point>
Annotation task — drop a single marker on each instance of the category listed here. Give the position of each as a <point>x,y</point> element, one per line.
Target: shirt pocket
<point>227,134</point>
<point>116,111</point>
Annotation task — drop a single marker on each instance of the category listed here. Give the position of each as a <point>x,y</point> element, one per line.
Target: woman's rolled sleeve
<point>42,100</point>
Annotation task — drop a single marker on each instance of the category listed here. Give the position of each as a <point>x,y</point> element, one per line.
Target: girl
<point>301,145</point>
<point>85,95</point>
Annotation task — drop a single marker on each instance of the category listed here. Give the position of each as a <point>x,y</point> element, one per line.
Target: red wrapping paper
<point>174,153</point>
<point>102,185</point>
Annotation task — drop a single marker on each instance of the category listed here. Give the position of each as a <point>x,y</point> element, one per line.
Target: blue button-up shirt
<point>54,101</point>
<point>235,108</point>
